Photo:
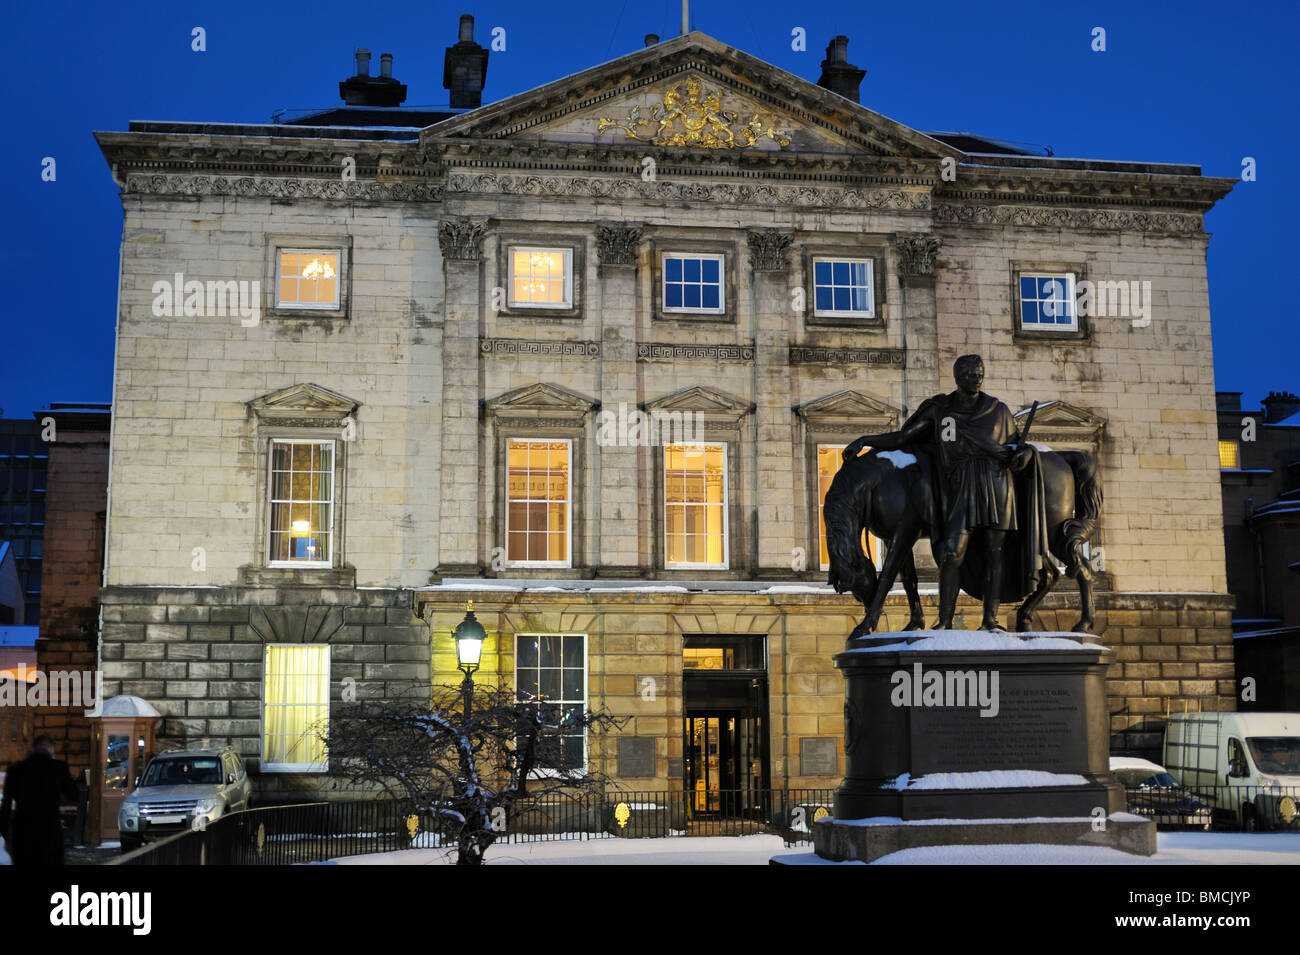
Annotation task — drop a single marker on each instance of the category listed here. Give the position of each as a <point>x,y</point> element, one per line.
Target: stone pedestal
<point>1003,737</point>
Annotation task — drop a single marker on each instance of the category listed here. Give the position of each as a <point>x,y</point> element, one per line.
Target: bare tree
<point>465,758</point>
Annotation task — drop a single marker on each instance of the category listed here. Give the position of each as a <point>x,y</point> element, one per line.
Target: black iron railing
<point>316,832</point>
<point>1218,807</point>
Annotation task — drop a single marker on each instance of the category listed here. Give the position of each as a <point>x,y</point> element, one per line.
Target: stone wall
<point>197,656</point>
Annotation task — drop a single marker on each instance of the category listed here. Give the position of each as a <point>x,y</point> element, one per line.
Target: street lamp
<point>469,636</point>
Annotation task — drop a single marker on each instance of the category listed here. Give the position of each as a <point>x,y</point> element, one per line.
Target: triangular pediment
<point>541,398</point>
<point>692,92</point>
<point>1058,421</point>
<point>847,407</point>
<point>699,399</point>
<point>304,400</point>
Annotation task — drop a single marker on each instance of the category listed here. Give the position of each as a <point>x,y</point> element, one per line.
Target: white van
<point>1246,765</point>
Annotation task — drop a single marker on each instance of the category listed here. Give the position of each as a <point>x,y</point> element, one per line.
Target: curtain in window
<point>296,708</point>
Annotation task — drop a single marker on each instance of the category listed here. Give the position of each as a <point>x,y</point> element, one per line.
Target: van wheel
<point>129,845</point>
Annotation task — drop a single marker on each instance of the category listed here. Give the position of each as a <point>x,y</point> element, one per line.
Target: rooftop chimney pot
<point>363,62</point>
<point>651,39</point>
<point>464,68</point>
<point>386,65</point>
<point>838,74</point>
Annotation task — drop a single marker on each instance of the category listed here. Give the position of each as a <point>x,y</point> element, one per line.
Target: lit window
<point>695,505</point>
<point>541,278</point>
<point>295,707</point>
<point>843,288</point>
<point>307,279</point>
<point>1228,454</point>
<point>538,494</point>
<point>829,457</point>
<point>302,503</point>
<point>551,670</point>
<point>1047,301</point>
<point>693,283</point>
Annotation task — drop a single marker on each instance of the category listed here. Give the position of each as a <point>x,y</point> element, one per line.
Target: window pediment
<point>851,410</point>
<point>304,406</point>
<point>716,407</point>
<point>541,401</point>
<point>1058,421</point>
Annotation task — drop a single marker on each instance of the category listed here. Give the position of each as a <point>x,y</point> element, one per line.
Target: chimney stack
<point>838,75</point>
<point>1280,405</point>
<point>366,90</point>
<point>464,68</point>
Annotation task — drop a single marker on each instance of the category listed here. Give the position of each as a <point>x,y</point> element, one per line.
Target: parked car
<point>1246,765</point>
<point>1152,791</point>
<point>184,789</point>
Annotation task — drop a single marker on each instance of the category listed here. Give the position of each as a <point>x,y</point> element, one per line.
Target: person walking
<point>29,810</point>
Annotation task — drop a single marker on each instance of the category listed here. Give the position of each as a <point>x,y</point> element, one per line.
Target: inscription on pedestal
<point>1036,728</point>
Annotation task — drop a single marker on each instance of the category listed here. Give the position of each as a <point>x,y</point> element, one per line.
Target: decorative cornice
<point>616,244</point>
<point>811,355</point>
<point>916,252</point>
<point>768,248</point>
<point>659,351</point>
<point>634,188</point>
<point>158,184</point>
<point>461,238</point>
<point>539,349</point>
<point>1176,223</point>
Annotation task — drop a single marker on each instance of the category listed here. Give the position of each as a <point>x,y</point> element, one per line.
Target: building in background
<point>17,670</point>
<point>23,458</point>
<point>593,372</point>
<point>73,568</point>
<point>1259,460</point>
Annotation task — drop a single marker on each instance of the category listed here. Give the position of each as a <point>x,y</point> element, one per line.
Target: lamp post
<point>469,636</point>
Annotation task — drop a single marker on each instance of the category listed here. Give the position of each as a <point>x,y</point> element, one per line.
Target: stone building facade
<point>686,238</point>
<point>1259,459</point>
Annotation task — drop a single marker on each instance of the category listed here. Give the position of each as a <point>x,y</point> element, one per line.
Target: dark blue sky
<point>1191,82</point>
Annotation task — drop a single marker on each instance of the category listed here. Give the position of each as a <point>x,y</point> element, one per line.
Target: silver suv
<point>184,789</point>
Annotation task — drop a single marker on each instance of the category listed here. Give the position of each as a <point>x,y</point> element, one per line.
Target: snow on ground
<point>685,850</point>
<point>1174,848</point>
<point>988,779</point>
<point>950,640</point>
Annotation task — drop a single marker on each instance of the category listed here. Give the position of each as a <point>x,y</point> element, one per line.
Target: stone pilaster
<point>775,497</point>
<point>617,511</point>
<point>461,243</point>
<point>916,270</point>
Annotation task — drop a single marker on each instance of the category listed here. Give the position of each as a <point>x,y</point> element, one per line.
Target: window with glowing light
<point>695,505</point>
<point>295,707</point>
<point>1228,455</point>
<point>829,457</point>
<point>301,498</point>
<point>307,279</point>
<point>541,278</point>
<point>551,672</point>
<point>538,497</point>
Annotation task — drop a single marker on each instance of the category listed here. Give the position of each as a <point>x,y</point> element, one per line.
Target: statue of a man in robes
<point>967,433</point>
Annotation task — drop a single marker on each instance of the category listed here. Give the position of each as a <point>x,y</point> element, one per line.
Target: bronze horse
<point>892,495</point>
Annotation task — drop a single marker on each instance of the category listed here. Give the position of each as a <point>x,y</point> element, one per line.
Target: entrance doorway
<point>725,727</point>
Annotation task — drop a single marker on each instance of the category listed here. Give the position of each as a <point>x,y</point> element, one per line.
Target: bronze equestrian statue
<point>965,474</point>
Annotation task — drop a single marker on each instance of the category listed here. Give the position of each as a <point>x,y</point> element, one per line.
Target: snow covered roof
<point>127,706</point>
<point>1135,762</point>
